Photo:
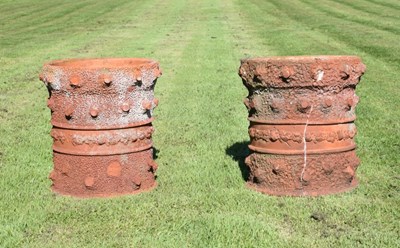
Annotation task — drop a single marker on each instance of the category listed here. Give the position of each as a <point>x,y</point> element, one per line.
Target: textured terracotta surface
<point>301,113</point>
<point>101,112</point>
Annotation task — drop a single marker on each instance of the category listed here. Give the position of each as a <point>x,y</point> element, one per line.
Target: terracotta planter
<point>301,113</point>
<point>101,112</point>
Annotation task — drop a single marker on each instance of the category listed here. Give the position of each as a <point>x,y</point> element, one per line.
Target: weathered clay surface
<point>302,112</point>
<point>283,174</point>
<point>101,115</point>
<point>103,176</point>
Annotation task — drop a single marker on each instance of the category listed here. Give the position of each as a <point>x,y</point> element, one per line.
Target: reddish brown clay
<point>301,113</point>
<point>101,112</point>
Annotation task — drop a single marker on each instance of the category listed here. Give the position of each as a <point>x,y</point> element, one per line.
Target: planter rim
<point>302,59</point>
<point>101,63</point>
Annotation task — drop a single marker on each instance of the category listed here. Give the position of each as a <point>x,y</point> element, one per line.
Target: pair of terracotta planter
<point>301,112</point>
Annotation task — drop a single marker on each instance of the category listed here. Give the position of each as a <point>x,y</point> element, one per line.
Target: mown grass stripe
<point>50,43</point>
<point>282,37</point>
<point>43,17</point>
<point>16,12</point>
<point>387,4</point>
<point>363,8</point>
<point>352,17</point>
<point>352,35</point>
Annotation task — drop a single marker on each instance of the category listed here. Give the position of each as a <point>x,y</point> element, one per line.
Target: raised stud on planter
<point>301,113</point>
<point>102,142</point>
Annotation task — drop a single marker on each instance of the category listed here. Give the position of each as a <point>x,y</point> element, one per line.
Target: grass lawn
<point>201,126</point>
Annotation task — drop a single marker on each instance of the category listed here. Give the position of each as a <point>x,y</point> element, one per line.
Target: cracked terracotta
<point>101,112</point>
<point>301,113</point>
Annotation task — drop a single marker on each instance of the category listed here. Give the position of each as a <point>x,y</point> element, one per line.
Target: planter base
<point>322,174</point>
<point>266,191</point>
<point>103,176</point>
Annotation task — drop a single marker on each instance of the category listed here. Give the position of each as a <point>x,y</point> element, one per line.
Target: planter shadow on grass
<point>238,152</point>
<point>155,153</point>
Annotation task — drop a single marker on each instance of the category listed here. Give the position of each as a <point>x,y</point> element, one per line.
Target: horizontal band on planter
<point>96,153</point>
<point>301,122</point>
<point>297,152</point>
<point>292,137</point>
<point>80,127</point>
<point>104,142</point>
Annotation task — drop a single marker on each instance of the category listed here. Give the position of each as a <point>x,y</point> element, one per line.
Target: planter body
<point>301,113</point>
<point>101,112</point>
